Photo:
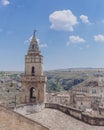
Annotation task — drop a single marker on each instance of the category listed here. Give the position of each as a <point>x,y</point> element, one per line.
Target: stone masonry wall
<point>78,114</point>
<point>10,120</point>
<point>68,110</point>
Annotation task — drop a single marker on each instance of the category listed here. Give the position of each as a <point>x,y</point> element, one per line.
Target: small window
<point>33,70</point>
<point>81,103</point>
<point>32,46</point>
<point>93,91</point>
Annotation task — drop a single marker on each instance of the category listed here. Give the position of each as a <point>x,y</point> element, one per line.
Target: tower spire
<point>34,46</point>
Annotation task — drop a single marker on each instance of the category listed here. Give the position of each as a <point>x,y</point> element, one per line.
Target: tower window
<point>32,46</point>
<point>33,71</point>
<point>81,103</point>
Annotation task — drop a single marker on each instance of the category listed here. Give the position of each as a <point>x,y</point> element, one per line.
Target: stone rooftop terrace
<point>56,120</point>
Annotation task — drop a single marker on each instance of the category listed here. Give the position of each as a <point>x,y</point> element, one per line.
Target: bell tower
<point>33,81</point>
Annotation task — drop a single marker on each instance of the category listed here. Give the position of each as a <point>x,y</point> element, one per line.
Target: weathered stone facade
<point>33,81</point>
<point>58,98</point>
<point>88,96</point>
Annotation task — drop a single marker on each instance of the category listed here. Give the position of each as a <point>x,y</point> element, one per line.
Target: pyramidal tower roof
<point>34,45</point>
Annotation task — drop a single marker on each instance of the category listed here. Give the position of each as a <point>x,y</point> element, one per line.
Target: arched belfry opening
<point>33,94</point>
<point>33,71</point>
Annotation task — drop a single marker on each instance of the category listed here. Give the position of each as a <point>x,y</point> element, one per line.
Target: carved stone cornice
<point>41,79</point>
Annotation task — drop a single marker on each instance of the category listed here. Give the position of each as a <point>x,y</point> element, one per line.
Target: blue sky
<point>70,32</point>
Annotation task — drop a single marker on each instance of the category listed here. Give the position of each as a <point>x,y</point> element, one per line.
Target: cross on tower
<point>34,32</point>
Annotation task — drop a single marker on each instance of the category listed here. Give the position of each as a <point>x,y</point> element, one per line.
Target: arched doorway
<point>33,94</point>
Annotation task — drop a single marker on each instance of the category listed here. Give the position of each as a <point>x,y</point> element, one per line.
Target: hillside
<point>60,80</point>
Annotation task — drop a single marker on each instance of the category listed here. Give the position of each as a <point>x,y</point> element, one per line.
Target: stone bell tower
<point>33,81</point>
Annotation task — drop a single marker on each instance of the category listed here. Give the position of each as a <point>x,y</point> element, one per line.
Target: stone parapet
<point>78,114</point>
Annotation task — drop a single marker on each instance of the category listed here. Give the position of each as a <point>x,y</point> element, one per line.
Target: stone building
<point>58,98</point>
<point>89,95</point>
<point>33,82</point>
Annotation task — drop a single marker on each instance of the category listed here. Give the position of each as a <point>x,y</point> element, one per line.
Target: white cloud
<point>87,46</point>
<point>38,40</point>
<point>30,38</point>
<point>84,19</point>
<point>5,2</point>
<point>99,38</point>
<point>43,45</point>
<point>75,40</point>
<point>102,21</point>
<point>63,20</point>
